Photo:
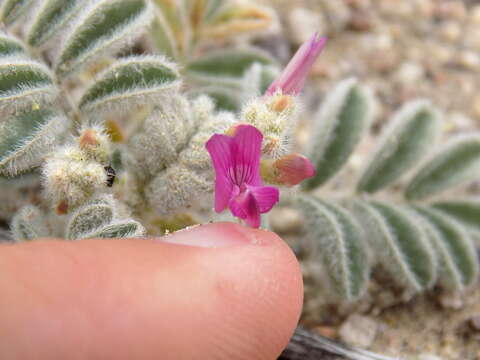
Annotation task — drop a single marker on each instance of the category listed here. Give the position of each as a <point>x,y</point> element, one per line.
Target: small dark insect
<point>110,175</point>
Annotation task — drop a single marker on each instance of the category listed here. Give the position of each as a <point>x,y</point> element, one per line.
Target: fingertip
<point>144,298</point>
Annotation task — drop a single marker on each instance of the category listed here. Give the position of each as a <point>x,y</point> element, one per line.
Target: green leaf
<point>52,18</point>
<point>457,163</point>
<point>339,126</point>
<point>9,46</point>
<point>339,243</point>
<point>129,82</point>
<point>122,229</point>
<point>88,219</point>
<point>466,211</point>
<point>455,249</point>
<point>226,66</point>
<point>103,28</point>
<point>25,139</point>
<point>28,224</point>
<point>224,97</point>
<point>414,130</point>
<point>24,84</point>
<point>12,10</point>
<point>400,243</point>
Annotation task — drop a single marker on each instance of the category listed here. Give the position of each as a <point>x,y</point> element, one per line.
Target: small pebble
<point>474,323</point>
<point>359,330</point>
<point>451,301</point>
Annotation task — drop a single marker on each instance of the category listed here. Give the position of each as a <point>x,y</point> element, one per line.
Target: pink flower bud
<point>292,79</point>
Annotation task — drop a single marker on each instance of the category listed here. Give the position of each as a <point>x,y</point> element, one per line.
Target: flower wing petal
<point>265,196</point>
<point>247,149</point>
<point>245,207</point>
<point>220,149</point>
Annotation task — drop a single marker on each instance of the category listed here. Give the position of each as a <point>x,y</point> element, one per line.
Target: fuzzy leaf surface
<point>340,245</point>
<point>122,229</point>
<point>10,46</point>
<point>456,164</point>
<point>12,10</point>
<point>103,28</point>
<point>28,224</point>
<point>24,83</point>
<point>466,211</point>
<point>225,65</point>
<point>340,123</point>
<point>456,251</point>
<point>88,219</point>
<point>26,138</point>
<point>131,81</point>
<point>402,247</point>
<point>53,16</point>
<point>414,130</point>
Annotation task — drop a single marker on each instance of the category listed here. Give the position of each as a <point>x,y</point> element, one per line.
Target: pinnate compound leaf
<point>338,241</point>
<point>103,28</point>
<point>28,224</point>
<point>456,251</point>
<point>26,138</point>
<point>414,130</point>
<point>88,219</point>
<point>131,81</point>
<point>52,18</point>
<point>24,84</point>
<point>400,243</point>
<point>457,163</point>
<point>466,211</point>
<point>339,125</point>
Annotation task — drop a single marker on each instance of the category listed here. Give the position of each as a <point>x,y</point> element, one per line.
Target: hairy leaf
<point>339,243</point>
<point>88,219</point>
<point>414,130</point>
<point>24,84</point>
<point>103,27</point>
<point>402,246</point>
<point>467,211</point>
<point>9,46</point>
<point>52,18</point>
<point>224,97</point>
<point>25,139</point>
<point>457,254</point>
<point>131,81</point>
<point>28,224</point>
<point>121,229</point>
<point>455,164</point>
<point>339,126</point>
<point>226,66</point>
<point>12,10</point>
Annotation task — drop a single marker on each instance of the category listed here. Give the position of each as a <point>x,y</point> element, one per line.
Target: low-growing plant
<point>417,241</point>
<point>100,138</point>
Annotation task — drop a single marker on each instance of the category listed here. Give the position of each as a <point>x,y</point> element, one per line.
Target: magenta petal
<point>220,150</point>
<point>247,149</point>
<point>265,196</point>
<point>292,79</point>
<point>246,207</point>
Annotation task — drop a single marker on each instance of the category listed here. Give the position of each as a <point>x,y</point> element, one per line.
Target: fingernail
<point>216,235</point>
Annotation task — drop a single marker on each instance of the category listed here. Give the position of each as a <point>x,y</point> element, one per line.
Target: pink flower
<point>292,79</point>
<point>238,185</point>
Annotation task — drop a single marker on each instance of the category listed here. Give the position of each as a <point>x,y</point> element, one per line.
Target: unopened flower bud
<point>289,170</point>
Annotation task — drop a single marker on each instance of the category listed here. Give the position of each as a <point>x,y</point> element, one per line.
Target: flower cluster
<point>236,154</point>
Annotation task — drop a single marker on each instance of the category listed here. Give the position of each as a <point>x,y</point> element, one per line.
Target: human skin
<point>217,291</point>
